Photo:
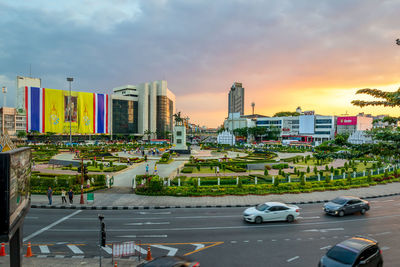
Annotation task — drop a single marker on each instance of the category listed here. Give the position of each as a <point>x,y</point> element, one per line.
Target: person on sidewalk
<point>147,169</point>
<point>71,196</point>
<point>50,195</point>
<point>63,199</point>
<point>155,169</point>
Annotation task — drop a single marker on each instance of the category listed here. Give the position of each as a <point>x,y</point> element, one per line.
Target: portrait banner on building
<point>52,110</point>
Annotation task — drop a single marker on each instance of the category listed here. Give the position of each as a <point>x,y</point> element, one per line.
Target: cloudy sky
<point>313,54</point>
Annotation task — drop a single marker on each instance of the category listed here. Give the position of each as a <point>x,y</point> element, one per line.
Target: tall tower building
<point>236,99</point>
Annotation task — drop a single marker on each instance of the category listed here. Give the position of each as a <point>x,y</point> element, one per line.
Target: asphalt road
<point>214,236</point>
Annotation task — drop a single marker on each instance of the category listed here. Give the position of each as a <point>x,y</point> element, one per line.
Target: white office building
<point>155,107</point>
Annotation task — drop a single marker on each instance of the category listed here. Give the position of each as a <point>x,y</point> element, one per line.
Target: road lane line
<point>29,217</point>
<point>323,230</point>
<point>171,251</point>
<point>154,213</point>
<point>385,248</point>
<point>77,257</point>
<point>292,259</point>
<point>107,249</point>
<point>134,236</point>
<point>44,249</point>
<point>41,256</point>
<point>146,223</point>
<point>50,226</point>
<point>75,249</point>
<point>307,218</point>
<point>59,256</point>
<point>326,247</point>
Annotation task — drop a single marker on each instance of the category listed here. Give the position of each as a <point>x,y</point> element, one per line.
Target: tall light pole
<point>4,95</point>
<point>70,80</point>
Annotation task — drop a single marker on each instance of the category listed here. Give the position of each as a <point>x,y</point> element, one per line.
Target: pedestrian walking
<point>50,195</point>
<point>63,199</point>
<point>217,169</point>
<point>71,196</point>
<point>147,169</point>
<point>155,169</point>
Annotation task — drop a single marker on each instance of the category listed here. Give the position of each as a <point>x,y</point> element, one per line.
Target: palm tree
<point>390,99</point>
<point>148,133</point>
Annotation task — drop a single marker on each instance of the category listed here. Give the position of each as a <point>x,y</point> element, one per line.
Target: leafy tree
<point>341,139</point>
<point>21,134</point>
<point>315,170</point>
<point>331,169</point>
<point>302,179</point>
<point>265,172</point>
<point>276,181</point>
<point>308,169</point>
<point>286,114</point>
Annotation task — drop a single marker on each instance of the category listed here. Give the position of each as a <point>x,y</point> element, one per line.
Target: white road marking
<point>259,240</point>
<point>385,248</point>
<point>298,239</point>
<point>305,218</point>
<point>75,249</point>
<point>233,242</point>
<point>146,223</point>
<point>384,233</point>
<point>171,251</point>
<point>44,249</point>
<point>77,257</point>
<point>322,237</point>
<point>335,237</point>
<point>246,241</point>
<point>61,243</point>
<point>143,251</point>
<point>59,256</point>
<point>42,256</point>
<point>292,259</point>
<point>287,239</point>
<point>107,249</point>
<point>327,247</point>
<point>324,230</point>
<point>154,213</point>
<point>198,246</point>
<point>134,236</point>
<point>311,238</point>
<point>51,225</point>
<point>273,240</point>
<point>29,217</point>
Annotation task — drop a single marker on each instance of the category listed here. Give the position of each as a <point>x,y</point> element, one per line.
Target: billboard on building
<point>306,124</point>
<point>350,120</point>
<point>53,110</point>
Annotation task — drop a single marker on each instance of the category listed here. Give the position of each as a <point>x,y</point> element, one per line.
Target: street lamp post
<point>70,80</point>
<point>4,95</point>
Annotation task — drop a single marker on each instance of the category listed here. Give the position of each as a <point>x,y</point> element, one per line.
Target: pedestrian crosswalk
<point>83,250</point>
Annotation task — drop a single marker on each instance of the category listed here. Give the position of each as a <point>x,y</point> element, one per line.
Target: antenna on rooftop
<point>252,106</point>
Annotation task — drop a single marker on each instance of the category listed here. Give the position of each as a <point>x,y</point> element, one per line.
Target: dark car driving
<point>355,251</point>
<point>346,205</point>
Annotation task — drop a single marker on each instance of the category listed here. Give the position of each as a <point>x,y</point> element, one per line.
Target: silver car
<point>271,211</point>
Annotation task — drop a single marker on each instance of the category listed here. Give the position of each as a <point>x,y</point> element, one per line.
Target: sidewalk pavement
<point>56,262</point>
<point>105,200</point>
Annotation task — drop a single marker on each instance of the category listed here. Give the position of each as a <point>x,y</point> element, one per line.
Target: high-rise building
<point>155,108</point>
<point>236,99</point>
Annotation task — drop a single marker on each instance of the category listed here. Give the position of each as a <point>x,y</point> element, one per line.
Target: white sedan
<point>271,211</point>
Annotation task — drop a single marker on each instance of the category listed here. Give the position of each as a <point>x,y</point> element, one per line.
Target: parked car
<point>346,205</point>
<point>271,211</point>
<point>355,251</point>
<point>170,261</point>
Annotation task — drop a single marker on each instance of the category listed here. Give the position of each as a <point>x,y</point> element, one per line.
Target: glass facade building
<point>124,116</point>
<point>165,112</point>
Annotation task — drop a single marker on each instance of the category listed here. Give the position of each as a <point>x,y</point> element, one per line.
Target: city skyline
<point>293,53</point>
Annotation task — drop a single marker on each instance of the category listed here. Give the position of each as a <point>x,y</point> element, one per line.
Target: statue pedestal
<point>179,144</point>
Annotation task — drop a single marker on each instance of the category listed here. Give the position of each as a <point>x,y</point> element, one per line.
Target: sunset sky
<point>313,54</point>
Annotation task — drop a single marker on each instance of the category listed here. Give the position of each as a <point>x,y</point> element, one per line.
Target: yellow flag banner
<point>85,112</point>
<point>54,111</point>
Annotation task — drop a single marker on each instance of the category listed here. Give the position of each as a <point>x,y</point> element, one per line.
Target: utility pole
<point>102,236</point>
<point>82,172</point>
